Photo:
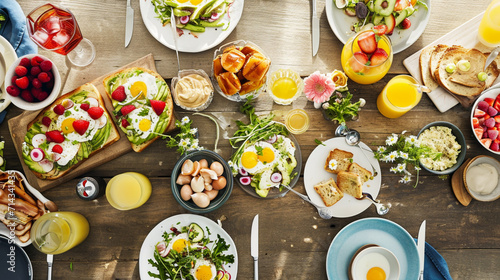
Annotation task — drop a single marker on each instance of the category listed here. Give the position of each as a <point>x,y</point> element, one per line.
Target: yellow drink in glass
<point>369,74</point>
<point>399,96</point>
<point>57,232</point>
<point>297,121</point>
<point>128,190</point>
<point>489,28</point>
<point>285,86</point>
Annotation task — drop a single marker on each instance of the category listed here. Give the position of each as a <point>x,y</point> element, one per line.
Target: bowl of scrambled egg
<point>448,142</point>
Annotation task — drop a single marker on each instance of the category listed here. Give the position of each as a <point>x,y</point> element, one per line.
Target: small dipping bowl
<point>285,86</point>
<point>297,121</point>
<point>482,159</point>
<point>376,261</point>
<point>203,94</point>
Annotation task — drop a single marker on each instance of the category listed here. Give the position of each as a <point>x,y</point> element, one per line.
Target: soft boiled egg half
<point>375,263</point>
<point>258,157</point>
<point>143,84</point>
<point>203,270</point>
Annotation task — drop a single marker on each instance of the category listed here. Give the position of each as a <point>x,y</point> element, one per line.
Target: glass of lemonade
<point>57,232</point>
<point>128,190</point>
<point>399,96</point>
<point>489,28</point>
<point>359,66</point>
<point>285,86</point>
<point>297,121</point>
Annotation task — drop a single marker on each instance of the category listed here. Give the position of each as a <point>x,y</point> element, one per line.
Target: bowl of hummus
<point>482,178</point>
<point>444,138</point>
<point>192,90</point>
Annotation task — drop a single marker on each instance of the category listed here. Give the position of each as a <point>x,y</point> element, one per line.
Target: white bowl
<point>489,93</point>
<point>33,106</point>
<point>187,72</point>
<point>495,194</point>
<point>370,256</point>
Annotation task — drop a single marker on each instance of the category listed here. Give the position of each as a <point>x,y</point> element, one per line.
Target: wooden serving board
<point>466,36</point>
<point>18,127</point>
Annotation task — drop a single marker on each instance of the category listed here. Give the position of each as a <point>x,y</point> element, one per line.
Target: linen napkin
<point>435,267</point>
<point>15,30</point>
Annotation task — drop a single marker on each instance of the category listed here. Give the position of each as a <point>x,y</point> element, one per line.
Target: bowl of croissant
<point>239,70</point>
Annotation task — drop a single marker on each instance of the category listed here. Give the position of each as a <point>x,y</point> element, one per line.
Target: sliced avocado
<point>402,15</point>
<point>377,19</point>
<point>283,168</point>
<point>371,6</point>
<point>180,13</point>
<point>199,9</point>
<point>34,166</point>
<point>409,10</point>
<point>384,7</point>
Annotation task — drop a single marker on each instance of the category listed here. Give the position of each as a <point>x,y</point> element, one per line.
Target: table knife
<point>421,249</point>
<point>315,29</point>
<point>129,24</point>
<point>491,57</point>
<point>254,243</point>
<point>174,34</point>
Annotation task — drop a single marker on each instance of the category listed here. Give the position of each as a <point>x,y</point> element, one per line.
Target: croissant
<point>229,83</point>
<point>256,67</point>
<point>233,60</point>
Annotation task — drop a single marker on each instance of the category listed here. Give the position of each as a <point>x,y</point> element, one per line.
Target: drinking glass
<point>55,29</point>
<point>128,190</point>
<point>489,28</point>
<point>399,96</point>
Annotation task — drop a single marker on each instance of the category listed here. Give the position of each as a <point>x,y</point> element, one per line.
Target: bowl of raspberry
<point>32,82</point>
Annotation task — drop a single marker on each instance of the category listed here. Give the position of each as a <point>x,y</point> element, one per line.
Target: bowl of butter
<point>482,178</point>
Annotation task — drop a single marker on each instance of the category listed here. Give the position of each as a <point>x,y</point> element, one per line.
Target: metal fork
<point>322,211</point>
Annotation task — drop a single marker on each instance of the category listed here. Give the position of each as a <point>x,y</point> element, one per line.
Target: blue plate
<point>378,231</point>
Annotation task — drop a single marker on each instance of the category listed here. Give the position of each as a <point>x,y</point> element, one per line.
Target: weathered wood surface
<point>294,239</point>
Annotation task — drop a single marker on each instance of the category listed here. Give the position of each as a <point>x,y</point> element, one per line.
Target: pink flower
<point>318,87</point>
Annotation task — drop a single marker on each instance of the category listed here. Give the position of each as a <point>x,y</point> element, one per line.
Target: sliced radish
<point>215,16</point>
<point>37,154</point>
<point>67,103</point>
<point>56,157</point>
<point>220,274</point>
<point>276,177</point>
<point>92,102</point>
<point>38,139</point>
<point>46,165</point>
<point>184,19</point>
<point>245,180</point>
<point>101,122</point>
<point>243,172</point>
<point>204,18</point>
<point>272,139</point>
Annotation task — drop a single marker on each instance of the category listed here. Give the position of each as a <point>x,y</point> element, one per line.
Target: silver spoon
<point>322,211</point>
<point>353,138</point>
<point>382,209</point>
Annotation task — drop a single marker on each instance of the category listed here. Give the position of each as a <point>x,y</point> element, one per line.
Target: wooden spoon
<point>457,184</point>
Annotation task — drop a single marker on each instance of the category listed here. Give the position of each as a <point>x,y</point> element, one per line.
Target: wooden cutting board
<point>466,36</point>
<point>18,127</point>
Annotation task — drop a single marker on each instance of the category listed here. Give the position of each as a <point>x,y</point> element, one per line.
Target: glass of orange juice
<point>57,232</point>
<point>285,86</point>
<point>367,57</point>
<point>489,28</point>
<point>128,190</point>
<point>297,121</point>
<point>399,96</point>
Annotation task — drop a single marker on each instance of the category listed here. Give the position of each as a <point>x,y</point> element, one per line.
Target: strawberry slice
<point>401,5</point>
<point>46,121</point>
<point>127,109</point>
<point>390,21</point>
<point>493,134</point>
<point>479,132</point>
<point>59,109</point>
<point>490,101</point>
<point>119,94</point>
<point>378,57</point>
<point>81,126</point>
<point>358,61</point>
<point>380,29</point>
<point>497,119</point>
<point>486,142</point>
<point>158,106</point>
<point>95,112</point>
<point>496,105</point>
<point>85,106</point>
<point>478,113</point>
<point>498,97</point>
<point>57,149</point>
<point>54,136</point>
<point>475,122</point>
<point>406,23</point>
<point>495,147</point>
<point>367,42</point>
<point>125,123</point>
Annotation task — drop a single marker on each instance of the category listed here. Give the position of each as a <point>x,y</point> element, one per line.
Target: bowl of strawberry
<point>485,120</point>
<point>32,82</point>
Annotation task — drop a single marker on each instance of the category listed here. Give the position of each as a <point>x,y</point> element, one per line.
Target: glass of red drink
<point>55,29</point>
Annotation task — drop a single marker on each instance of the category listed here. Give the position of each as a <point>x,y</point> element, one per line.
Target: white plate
<point>7,57</point>
<point>187,42</point>
<point>314,172</point>
<point>155,236</point>
<point>401,39</point>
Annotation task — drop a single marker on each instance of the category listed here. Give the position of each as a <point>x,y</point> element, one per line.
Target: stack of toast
<point>350,177</point>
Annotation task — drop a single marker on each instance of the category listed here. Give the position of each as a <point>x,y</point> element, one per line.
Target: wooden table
<point>294,240</point>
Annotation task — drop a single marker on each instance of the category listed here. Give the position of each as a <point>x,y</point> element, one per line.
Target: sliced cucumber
<point>401,17</point>
<point>196,233</point>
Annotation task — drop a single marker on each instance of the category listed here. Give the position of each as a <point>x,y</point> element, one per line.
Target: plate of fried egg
<point>374,265</point>
<point>172,241</point>
<point>188,41</point>
<point>264,165</point>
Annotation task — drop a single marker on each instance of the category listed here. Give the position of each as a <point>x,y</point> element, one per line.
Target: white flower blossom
<point>185,120</point>
<point>193,130</point>
<point>391,157</point>
<point>391,140</point>
<point>405,179</point>
<point>403,155</point>
<point>381,149</point>
<point>401,167</point>
<point>393,170</point>
<point>418,168</point>
<point>332,164</point>
<point>412,139</point>
<point>184,143</point>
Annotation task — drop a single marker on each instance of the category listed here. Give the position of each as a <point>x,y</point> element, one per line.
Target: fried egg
<point>143,84</point>
<point>372,266</point>
<point>288,145</point>
<point>203,270</point>
<point>193,3</point>
<point>179,243</point>
<point>258,157</point>
<point>144,121</point>
<point>64,123</point>
<point>69,152</point>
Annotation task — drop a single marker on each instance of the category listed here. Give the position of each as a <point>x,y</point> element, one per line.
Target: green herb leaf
<point>318,142</point>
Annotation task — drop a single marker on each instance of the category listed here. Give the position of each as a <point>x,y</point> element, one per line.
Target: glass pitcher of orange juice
<point>489,28</point>
<point>399,96</point>
<point>57,232</point>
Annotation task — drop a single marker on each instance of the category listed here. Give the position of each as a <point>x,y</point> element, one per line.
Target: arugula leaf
<point>318,142</point>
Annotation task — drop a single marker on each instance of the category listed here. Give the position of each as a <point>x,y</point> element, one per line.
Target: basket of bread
<point>239,70</point>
